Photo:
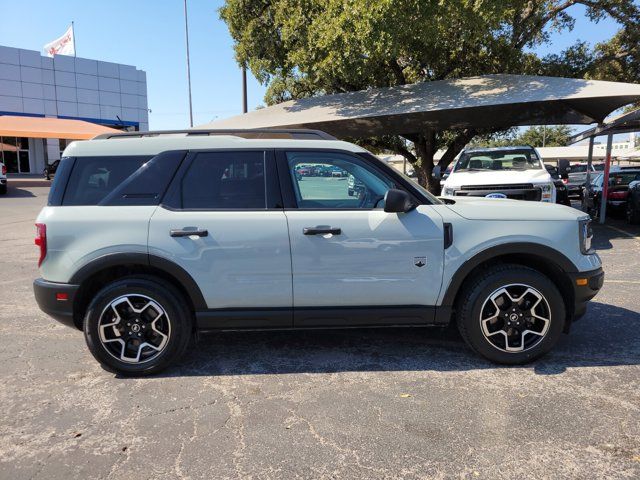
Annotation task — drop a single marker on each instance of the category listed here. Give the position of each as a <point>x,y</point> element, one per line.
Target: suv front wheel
<point>137,326</point>
<point>511,314</point>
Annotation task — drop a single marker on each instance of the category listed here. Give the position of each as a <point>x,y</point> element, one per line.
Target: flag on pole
<point>65,45</point>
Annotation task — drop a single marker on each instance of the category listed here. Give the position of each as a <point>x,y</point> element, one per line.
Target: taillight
<point>41,241</point>
<point>4,169</point>
<point>619,195</point>
<point>565,180</point>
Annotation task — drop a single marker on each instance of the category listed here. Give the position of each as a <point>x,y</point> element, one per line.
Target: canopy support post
<point>605,180</point>
<point>589,166</point>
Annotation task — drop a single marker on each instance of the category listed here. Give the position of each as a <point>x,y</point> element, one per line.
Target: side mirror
<point>397,201</point>
<point>436,172</point>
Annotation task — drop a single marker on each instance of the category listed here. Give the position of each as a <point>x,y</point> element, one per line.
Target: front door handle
<point>187,233</point>
<point>321,230</point>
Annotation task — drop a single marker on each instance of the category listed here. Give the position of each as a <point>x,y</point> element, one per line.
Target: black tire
<point>477,292</point>
<point>178,323</point>
<point>3,189</point>
<point>633,215</point>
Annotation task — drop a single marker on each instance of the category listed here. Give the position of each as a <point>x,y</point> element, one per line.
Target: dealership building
<point>63,87</point>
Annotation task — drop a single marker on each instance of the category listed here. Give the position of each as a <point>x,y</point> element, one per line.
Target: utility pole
<point>186,32</point>
<point>244,89</point>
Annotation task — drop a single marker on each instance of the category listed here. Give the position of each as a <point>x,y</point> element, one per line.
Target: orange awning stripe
<point>40,127</point>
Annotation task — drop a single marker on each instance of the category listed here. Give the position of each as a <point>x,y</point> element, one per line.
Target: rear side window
<point>93,178</point>
<point>225,180</point>
<point>60,181</point>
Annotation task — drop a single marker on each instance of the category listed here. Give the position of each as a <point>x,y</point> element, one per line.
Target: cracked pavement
<point>389,403</point>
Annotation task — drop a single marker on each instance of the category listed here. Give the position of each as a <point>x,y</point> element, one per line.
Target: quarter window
<point>93,178</point>
<point>225,180</point>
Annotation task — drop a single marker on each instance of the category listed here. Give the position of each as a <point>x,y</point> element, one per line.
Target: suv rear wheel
<point>511,314</point>
<point>137,326</point>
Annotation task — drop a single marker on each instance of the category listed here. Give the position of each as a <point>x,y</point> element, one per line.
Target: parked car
<point>504,172</point>
<point>50,170</point>
<point>445,175</point>
<point>562,194</point>
<point>633,202</point>
<point>3,179</point>
<point>578,177</point>
<point>354,186</point>
<point>147,239</point>
<point>617,193</point>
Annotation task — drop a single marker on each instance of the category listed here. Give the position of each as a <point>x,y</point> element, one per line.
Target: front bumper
<point>583,291</point>
<point>49,297</point>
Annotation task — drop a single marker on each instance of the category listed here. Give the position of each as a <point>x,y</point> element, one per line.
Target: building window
<point>14,153</point>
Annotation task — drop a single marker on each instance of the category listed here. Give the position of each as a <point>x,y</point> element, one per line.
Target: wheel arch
<point>546,260</point>
<point>95,274</point>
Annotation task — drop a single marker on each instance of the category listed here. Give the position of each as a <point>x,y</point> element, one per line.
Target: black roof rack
<point>267,133</point>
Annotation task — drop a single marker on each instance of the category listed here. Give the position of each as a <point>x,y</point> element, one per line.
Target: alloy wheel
<point>134,328</point>
<point>515,318</point>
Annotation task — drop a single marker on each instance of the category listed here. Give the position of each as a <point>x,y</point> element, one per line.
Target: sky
<point>150,35</point>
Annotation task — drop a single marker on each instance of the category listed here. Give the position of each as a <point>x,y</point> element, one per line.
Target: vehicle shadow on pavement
<point>13,192</point>
<point>614,229</point>
<point>604,337</point>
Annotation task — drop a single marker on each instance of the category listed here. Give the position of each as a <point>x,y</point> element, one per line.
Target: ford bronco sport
<point>149,238</point>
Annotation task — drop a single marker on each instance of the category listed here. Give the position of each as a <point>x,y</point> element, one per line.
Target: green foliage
<point>302,48</point>
<point>549,136</point>
<point>498,139</point>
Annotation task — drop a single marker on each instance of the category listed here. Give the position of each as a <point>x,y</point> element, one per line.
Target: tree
<point>303,48</point>
<point>550,136</point>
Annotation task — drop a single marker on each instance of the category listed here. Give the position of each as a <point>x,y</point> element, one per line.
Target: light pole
<point>186,33</point>
<point>244,89</point>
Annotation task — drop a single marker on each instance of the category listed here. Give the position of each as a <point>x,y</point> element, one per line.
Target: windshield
<point>578,168</point>
<point>489,160</point>
<point>624,178</point>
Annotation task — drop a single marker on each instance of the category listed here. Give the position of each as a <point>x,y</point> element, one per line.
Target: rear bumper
<point>47,296</point>
<point>584,293</point>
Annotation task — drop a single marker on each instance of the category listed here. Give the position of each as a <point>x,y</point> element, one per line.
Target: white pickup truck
<point>503,172</point>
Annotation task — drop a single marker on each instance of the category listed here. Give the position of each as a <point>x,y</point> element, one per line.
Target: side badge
<point>419,261</point>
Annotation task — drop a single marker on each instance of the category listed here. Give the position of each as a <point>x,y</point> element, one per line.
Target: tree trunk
<point>458,144</point>
<point>425,146</point>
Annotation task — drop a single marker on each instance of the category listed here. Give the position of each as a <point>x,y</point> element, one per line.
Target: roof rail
<point>266,133</point>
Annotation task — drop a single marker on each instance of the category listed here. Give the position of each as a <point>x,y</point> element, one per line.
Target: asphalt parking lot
<point>393,403</point>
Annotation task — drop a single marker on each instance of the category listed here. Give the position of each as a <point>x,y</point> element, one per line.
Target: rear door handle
<point>187,233</point>
<point>321,230</point>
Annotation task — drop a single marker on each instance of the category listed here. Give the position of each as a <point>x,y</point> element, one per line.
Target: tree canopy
<point>539,136</point>
<point>302,48</point>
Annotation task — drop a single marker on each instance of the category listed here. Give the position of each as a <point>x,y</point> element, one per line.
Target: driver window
<point>325,180</point>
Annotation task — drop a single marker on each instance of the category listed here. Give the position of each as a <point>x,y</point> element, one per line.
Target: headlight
<point>448,192</point>
<point>586,234</point>
<point>547,192</point>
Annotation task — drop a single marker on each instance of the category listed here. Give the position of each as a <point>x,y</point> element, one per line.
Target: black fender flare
<point>546,254</point>
<point>147,260</point>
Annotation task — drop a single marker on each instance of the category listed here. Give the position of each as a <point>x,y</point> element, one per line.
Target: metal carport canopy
<point>491,101</point>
